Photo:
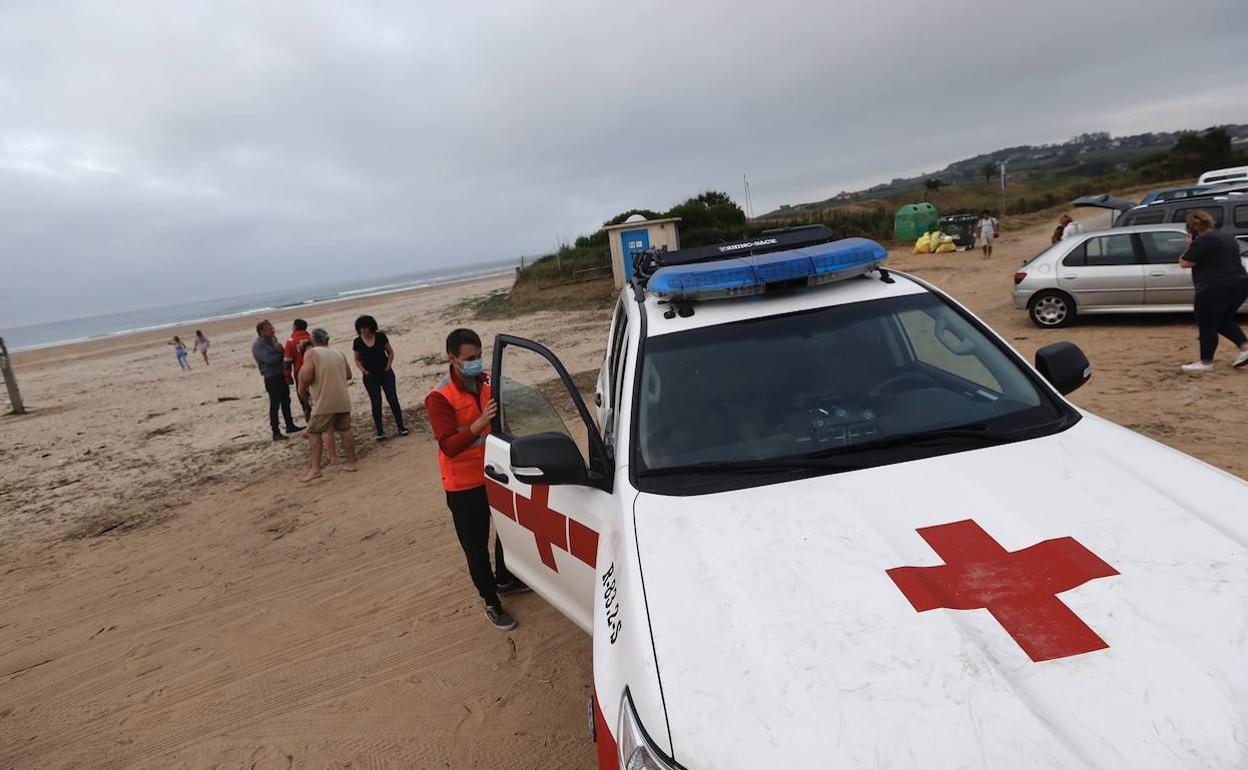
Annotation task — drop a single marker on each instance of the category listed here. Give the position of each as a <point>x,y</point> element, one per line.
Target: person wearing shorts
<point>987,231</point>
<point>323,378</point>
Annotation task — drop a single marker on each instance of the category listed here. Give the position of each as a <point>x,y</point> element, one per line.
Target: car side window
<point>1109,251</point>
<point>1146,218</point>
<point>1163,248</point>
<point>532,398</point>
<point>1241,216</point>
<point>1180,215</point>
<point>1078,256</point>
<point>619,357</point>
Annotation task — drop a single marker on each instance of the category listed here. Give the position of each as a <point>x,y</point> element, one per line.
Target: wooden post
<point>15,397</point>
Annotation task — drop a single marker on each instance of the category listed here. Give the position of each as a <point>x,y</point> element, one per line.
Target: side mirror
<point>547,458</point>
<point>1064,365</point>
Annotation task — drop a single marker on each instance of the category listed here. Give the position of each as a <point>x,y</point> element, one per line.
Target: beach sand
<point>174,598</point>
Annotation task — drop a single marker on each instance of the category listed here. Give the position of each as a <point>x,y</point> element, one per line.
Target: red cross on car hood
<point>1079,600</point>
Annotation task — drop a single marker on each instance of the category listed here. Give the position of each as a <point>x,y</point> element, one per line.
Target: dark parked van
<point>1228,209</point>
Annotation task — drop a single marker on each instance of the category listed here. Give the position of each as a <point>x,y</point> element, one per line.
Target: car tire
<point>1051,309</point>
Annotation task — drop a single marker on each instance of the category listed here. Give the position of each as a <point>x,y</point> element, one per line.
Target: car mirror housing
<point>1064,365</point>
<point>547,458</point>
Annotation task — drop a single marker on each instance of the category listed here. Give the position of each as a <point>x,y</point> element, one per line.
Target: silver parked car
<point>1123,270</point>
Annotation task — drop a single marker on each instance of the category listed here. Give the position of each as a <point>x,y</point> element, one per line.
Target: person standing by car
<point>1221,288</point>
<point>268,356</point>
<point>323,378</point>
<point>460,409</point>
<point>1070,227</point>
<point>375,358</point>
<point>987,231</point>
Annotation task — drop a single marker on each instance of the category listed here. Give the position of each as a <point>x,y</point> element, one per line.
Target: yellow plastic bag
<point>924,244</point>
<point>946,245</point>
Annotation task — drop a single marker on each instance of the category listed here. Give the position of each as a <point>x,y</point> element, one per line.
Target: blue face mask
<point>472,368</point>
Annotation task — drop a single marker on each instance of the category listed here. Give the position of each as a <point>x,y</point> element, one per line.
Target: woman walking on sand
<point>1221,288</point>
<point>374,357</point>
<point>179,350</point>
<point>201,344</point>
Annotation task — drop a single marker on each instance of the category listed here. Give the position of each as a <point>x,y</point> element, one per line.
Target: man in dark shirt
<point>267,352</point>
<point>1221,288</point>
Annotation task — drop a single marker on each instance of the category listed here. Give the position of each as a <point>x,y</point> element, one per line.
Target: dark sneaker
<point>513,586</point>
<point>278,437</point>
<point>500,618</point>
<point>380,437</point>
<point>403,431</point>
<point>293,428</point>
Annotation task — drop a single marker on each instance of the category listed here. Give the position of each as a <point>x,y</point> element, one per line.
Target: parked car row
<point>1133,269</point>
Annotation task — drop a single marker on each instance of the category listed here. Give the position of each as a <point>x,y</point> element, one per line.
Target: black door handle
<point>496,474</point>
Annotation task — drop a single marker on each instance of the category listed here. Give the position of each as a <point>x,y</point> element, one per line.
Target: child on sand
<point>201,344</point>
<point>179,350</point>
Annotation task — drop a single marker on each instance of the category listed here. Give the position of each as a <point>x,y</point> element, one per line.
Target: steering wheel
<point>886,385</point>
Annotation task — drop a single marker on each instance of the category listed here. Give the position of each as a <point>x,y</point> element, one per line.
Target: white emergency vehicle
<point>820,516</point>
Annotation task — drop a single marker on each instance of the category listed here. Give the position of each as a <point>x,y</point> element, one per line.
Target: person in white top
<point>1070,227</point>
<point>987,231</point>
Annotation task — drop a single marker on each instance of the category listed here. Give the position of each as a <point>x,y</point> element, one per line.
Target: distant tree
<point>931,185</point>
<point>988,170</point>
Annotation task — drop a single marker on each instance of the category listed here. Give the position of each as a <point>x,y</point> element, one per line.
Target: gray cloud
<point>152,152</point>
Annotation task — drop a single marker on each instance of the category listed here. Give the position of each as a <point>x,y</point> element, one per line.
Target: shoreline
<point>122,341</point>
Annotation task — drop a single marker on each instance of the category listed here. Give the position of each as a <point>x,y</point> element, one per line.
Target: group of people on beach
<point>321,376</point>
<point>179,349</point>
<point>460,408</point>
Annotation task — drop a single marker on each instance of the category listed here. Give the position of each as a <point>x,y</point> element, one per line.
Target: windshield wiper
<point>974,433</point>
<point>756,466</point>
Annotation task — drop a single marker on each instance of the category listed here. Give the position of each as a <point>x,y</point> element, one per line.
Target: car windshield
<point>850,386</point>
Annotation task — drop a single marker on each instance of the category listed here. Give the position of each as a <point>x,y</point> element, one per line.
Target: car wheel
<point>1051,309</point>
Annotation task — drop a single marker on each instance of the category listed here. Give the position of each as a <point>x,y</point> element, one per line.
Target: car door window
<point>1109,250</point>
<point>532,398</point>
<point>617,362</point>
<point>1241,216</point>
<point>1163,248</point>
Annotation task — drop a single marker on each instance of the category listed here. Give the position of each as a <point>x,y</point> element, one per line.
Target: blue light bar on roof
<point>743,276</point>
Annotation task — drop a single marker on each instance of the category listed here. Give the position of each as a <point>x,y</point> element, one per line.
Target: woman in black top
<point>374,357</point>
<point>1221,287</point>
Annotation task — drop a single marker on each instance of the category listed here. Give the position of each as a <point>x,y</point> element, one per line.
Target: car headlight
<point>637,752</point>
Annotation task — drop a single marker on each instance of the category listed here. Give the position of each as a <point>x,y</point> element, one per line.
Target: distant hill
<point>1084,156</point>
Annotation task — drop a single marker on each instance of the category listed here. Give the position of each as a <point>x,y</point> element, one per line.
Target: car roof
<point>1166,226</point>
<point>722,311</point>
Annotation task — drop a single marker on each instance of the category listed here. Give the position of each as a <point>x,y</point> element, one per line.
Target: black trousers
<point>279,398</point>
<point>470,510</point>
<point>375,384</point>
<point>1216,306</point>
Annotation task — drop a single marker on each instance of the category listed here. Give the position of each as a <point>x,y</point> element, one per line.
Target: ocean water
<point>188,313</point>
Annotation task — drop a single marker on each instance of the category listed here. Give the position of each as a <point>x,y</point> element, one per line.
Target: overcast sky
<point>154,151</point>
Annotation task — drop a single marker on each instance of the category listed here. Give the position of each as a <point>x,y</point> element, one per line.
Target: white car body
<point>1223,175</point>
<point>762,627</point>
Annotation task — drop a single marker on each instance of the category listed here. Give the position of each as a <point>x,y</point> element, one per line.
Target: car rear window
<point>1180,215</point>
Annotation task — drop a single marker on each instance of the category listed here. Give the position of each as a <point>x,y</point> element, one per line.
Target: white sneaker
<point>1197,367</point>
<point>1241,359</point>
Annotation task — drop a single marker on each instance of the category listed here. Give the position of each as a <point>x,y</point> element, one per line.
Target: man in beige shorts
<point>324,376</point>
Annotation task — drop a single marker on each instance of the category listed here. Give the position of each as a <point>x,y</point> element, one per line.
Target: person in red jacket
<point>292,359</point>
<point>460,409</point>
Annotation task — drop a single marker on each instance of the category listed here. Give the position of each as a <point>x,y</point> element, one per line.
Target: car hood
<point>782,639</point>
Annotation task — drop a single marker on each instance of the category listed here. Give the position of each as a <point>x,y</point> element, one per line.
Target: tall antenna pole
<point>749,204</point>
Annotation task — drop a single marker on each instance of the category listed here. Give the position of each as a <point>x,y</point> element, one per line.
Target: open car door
<point>548,477</point>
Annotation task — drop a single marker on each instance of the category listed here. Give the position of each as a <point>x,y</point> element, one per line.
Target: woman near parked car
<point>1221,288</point>
<point>374,357</point>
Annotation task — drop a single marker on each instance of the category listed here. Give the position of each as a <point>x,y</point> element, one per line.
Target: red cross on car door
<point>549,511</point>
